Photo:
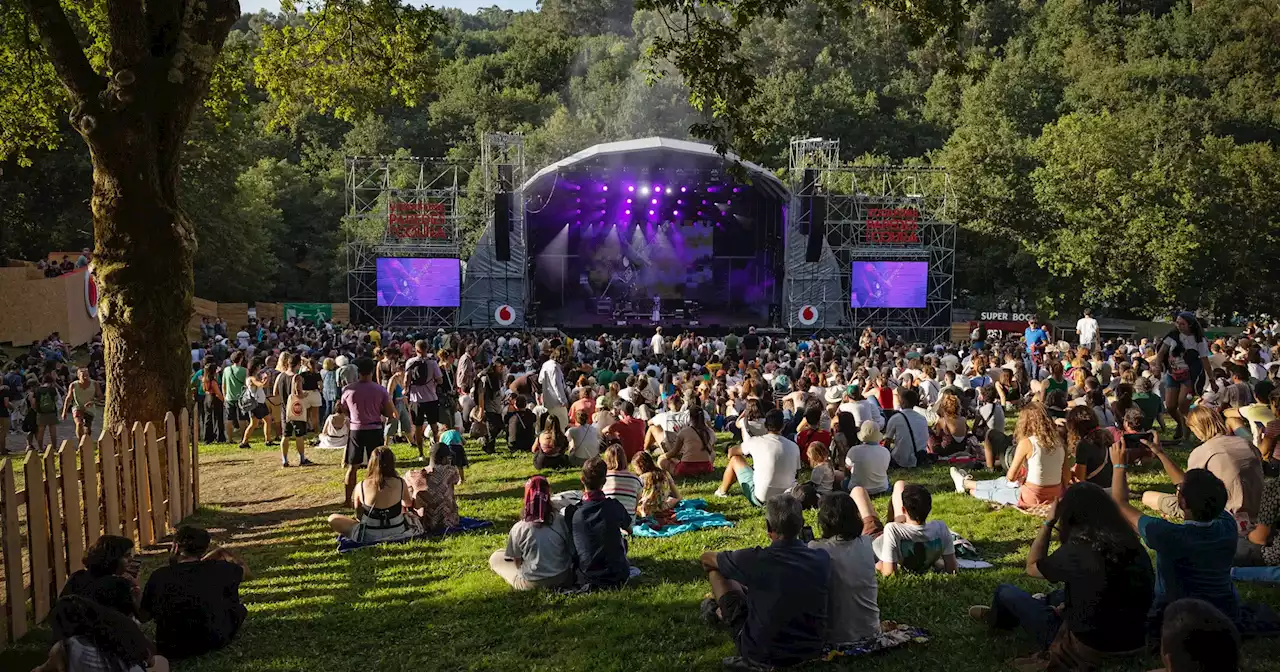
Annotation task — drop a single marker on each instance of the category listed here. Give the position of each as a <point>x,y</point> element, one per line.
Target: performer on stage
<point>657,308</point>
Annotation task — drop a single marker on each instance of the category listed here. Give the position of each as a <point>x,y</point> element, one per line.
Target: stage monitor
<point>414,282</point>
<point>889,284</point>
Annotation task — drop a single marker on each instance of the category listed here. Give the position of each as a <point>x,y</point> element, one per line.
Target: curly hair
<point>1034,422</point>
<point>949,406</point>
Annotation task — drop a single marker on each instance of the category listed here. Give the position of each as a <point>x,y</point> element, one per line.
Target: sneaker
<point>710,612</point>
<point>1040,596</point>
<point>304,462</point>
<point>273,442</point>
<point>979,612</point>
<point>721,493</point>
<point>244,444</point>
<point>285,463</point>
<point>957,478</point>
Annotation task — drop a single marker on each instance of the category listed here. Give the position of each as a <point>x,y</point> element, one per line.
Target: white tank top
<point>1042,469</point>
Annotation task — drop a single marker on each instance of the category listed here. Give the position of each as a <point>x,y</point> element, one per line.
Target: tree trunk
<point>143,262</point>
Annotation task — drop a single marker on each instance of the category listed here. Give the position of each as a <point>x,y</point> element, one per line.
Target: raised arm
<point>1120,484</point>
<point>1170,467</point>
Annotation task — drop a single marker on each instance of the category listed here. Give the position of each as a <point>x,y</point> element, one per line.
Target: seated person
<point>195,599</point>
<point>1233,460</point>
<point>110,575</point>
<point>458,446</point>
<point>619,483</point>
<point>824,476</point>
<point>1263,543</point>
<point>1196,637</point>
<point>910,541</point>
<point>663,426</point>
<point>628,429</point>
<point>1259,418</point>
<point>380,502</point>
<point>431,490</point>
<point>1041,451</point>
<point>91,636</point>
<point>693,451</point>
<point>773,599</point>
<point>868,462</point>
<point>336,429</point>
<point>1192,559</point>
<point>522,426</point>
<point>776,460</point>
<point>852,611</point>
<point>596,526</point>
<point>811,429</point>
<point>906,433</point>
<point>1144,398</point>
<point>1100,612</point>
<point>537,552</point>
<point>550,451</point>
<point>1092,446</point>
<point>658,493</point>
<point>584,439</point>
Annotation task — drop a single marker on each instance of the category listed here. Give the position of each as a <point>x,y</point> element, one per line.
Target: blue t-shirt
<point>1193,560</point>
<point>786,585</point>
<point>451,438</point>
<point>1034,337</point>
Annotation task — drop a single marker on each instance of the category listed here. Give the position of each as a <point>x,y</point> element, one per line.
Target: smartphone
<point>1133,442</point>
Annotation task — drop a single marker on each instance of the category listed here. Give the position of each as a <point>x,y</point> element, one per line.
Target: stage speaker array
<point>813,215</point>
<point>503,205</point>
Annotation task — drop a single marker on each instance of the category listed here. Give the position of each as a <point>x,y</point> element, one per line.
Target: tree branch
<point>127,29</point>
<point>64,50</point>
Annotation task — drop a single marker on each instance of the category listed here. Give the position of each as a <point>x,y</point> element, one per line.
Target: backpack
<point>46,400</point>
<point>417,373</point>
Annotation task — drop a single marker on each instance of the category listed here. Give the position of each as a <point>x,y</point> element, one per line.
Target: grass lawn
<point>434,605</point>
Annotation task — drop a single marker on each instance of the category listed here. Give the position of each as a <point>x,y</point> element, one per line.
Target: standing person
<point>82,395</point>
<point>466,375</point>
<point>43,402</point>
<point>554,395</point>
<point>328,387</point>
<point>233,379</point>
<point>1036,340</point>
<point>311,382</point>
<point>448,390</point>
<point>487,393</point>
<point>295,425</point>
<point>1087,331</point>
<point>1184,358</point>
<point>367,404</point>
<point>422,377</point>
<point>286,370</point>
<point>260,413</point>
<point>750,345</point>
<point>658,344</point>
<point>195,600</point>
<point>776,461</point>
<point>214,423</point>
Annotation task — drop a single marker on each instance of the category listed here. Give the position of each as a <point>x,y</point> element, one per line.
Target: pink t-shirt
<point>364,402</point>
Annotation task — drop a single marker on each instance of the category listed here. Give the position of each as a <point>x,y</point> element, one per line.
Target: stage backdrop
<point>33,306</point>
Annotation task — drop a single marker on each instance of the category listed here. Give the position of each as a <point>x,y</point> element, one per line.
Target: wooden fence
<point>135,482</point>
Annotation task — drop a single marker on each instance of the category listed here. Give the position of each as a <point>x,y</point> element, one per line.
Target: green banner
<point>308,312</point>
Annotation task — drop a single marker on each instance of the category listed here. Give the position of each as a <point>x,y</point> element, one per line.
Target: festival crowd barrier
<point>138,483</point>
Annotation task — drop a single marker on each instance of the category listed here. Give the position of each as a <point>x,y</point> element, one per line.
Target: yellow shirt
<point>376,337</point>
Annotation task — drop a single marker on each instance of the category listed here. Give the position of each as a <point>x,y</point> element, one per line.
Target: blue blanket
<point>464,525</point>
<point>691,515</point>
<point>1259,574</point>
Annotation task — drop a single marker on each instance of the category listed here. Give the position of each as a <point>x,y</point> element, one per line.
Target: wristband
<point>1050,523</point>
<point>1119,466</point>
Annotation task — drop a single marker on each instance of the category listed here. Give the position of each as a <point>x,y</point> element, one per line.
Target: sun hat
<point>869,432</point>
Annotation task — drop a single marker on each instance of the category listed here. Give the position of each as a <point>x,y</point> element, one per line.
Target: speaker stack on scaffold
<point>503,204</point>
<point>813,215</point>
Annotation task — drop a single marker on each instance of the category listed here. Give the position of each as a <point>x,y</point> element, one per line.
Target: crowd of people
<point>816,423</point>
<point>41,387</point>
<point>53,268</point>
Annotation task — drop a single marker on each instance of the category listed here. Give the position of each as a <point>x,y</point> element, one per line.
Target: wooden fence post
<point>107,447</point>
<point>15,593</point>
<point>71,508</point>
<point>38,536</point>
<point>146,535</point>
<point>155,486</point>
<point>195,471</point>
<point>57,540</point>
<point>184,462</point>
<point>174,502</point>
<point>89,468</point>
<point>128,510</point>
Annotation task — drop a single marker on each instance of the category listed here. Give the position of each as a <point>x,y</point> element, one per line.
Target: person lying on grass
<point>1100,613</point>
<point>537,552</point>
<point>773,599</point>
<point>910,541</point>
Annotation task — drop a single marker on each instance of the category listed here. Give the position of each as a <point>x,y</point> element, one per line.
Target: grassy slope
<point>434,605</point>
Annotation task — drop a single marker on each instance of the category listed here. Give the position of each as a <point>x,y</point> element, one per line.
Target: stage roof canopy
<point>627,151</point>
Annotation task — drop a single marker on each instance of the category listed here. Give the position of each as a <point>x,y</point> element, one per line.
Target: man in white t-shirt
<point>911,541</point>
<point>1087,330</point>
<point>242,337</point>
<point>657,343</point>
<point>776,460</point>
<point>907,432</point>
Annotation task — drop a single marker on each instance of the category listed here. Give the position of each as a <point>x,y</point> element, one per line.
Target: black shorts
<point>423,412</point>
<point>295,429</point>
<point>234,414</point>
<point>260,411</point>
<point>361,445</point>
<point>459,455</point>
<point>733,610</point>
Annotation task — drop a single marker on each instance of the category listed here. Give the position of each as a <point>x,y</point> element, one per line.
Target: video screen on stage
<point>413,282</point>
<point>889,284</point>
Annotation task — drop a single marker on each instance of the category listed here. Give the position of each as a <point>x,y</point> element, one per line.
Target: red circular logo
<point>807,315</point>
<point>504,315</point>
<point>90,292</point>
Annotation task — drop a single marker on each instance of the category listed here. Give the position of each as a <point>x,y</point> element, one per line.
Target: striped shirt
<point>623,486</point>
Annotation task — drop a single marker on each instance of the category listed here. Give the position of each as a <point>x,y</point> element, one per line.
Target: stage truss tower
<point>423,193</point>
<point>856,225</point>
<point>492,283</point>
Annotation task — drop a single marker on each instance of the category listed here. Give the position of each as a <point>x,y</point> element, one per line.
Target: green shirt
<point>730,343</point>
<point>233,378</point>
<point>603,377</point>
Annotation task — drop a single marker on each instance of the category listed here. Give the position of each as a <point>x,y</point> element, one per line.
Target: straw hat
<point>869,432</point>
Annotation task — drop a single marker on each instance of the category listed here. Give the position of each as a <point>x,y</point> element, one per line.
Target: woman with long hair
<point>658,493</point>
<point>1039,470</point>
<point>1100,614</point>
<point>92,637</point>
<point>1184,361</point>
<point>1091,445</point>
<point>214,427</point>
<point>537,552</point>
<point>950,434</point>
<point>382,501</point>
<point>693,451</point>
<point>549,449</point>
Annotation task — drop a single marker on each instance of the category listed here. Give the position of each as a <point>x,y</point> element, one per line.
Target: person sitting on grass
<point>380,503</point>
<point>1260,418</point>
<point>596,526</point>
<point>1040,451</point>
<point>431,490</point>
<point>1233,460</point>
<point>584,439</point>
<point>1197,637</point>
<point>336,429</point>
<point>1192,559</point>
<point>619,483</point>
<point>773,599</point>
<point>824,476</point>
<point>775,458</point>
<point>910,541</point>
<point>453,438</point>
<point>1092,445</point>
<point>1263,547</point>
<point>693,452</point>
<point>549,451</point>
<point>658,493</point>
<point>195,599</point>
<point>628,429</point>
<point>110,575</point>
<point>90,636</point>
<point>537,552</point>
<point>1100,613</point>
<point>852,610</point>
<point>868,462</point>
<point>522,427</point>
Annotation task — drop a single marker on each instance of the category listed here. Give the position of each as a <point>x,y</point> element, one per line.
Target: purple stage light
<point>683,189</point>
<point>704,201</point>
<point>651,212</point>
<point>657,188</point>
<point>679,202</point>
<point>676,213</point>
<point>604,188</point>
<point>631,188</point>
<point>735,190</point>
<point>628,201</point>
<point>628,212</point>
<point>644,191</point>
<point>653,202</point>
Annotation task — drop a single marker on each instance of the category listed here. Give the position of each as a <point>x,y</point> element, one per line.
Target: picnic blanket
<point>1256,574</point>
<point>464,525</point>
<point>691,515</point>
<point>892,636</point>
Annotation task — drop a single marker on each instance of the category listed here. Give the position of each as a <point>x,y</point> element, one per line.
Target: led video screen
<point>889,284</point>
<point>413,282</point>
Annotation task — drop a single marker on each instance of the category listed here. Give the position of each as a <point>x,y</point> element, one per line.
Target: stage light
<point>735,190</point>
<point>650,212</point>
<point>653,202</point>
<point>676,213</point>
<point>704,201</point>
<point>628,212</point>
<point>628,201</point>
<point>644,191</point>
<point>683,189</point>
<point>679,202</point>
<point>657,188</point>
<point>604,188</point>
<point>631,188</point>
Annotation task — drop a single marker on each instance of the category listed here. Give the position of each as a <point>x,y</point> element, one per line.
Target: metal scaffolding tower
<point>491,283</point>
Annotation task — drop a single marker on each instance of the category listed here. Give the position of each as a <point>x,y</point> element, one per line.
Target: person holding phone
<point>110,575</point>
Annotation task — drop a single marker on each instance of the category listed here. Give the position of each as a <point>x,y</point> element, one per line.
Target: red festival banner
<point>893,225</point>
<point>416,220</point>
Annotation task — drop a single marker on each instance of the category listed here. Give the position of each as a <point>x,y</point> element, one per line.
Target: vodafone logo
<point>504,315</point>
<point>807,315</point>
<point>90,292</point>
